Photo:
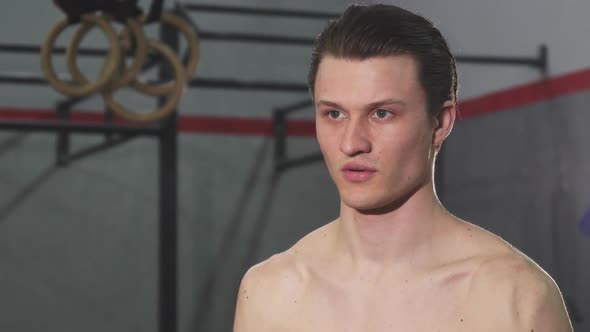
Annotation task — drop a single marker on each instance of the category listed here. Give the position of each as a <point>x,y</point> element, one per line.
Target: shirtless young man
<point>384,88</point>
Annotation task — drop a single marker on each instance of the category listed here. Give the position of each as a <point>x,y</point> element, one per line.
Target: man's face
<point>373,128</point>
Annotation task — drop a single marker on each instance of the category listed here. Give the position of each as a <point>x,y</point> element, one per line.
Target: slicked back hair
<point>368,31</point>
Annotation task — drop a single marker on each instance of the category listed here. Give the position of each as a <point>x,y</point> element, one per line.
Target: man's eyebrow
<point>329,104</point>
<point>384,102</point>
<point>372,105</point>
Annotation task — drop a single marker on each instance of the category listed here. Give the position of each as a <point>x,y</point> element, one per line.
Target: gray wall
<point>78,245</point>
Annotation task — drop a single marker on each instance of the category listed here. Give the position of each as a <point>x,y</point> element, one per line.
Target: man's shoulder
<point>507,289</point>
<point>509,269</point>
<point>278,269</point>
<point>271,289</point>
<point>266,291</point>
<point>511,290</point>
<point>294,261</point>
<point>286,271</point>
<point>497,262</point>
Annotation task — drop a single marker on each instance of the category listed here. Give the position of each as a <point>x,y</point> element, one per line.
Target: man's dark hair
<point>367,31</point>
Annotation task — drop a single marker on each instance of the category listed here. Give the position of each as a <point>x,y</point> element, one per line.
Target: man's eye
<point>334,114</point>
<point>382,114</point>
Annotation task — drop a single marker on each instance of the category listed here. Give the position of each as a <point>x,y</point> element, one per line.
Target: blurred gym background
<point>155,234</point>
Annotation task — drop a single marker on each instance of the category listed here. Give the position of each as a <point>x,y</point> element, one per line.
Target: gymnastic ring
<point>191,65</point>
<point>172,99</point>
<point>108,69</point>
<point>129,73</point>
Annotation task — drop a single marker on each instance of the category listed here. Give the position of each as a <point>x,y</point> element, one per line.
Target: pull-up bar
<point>259,11</point>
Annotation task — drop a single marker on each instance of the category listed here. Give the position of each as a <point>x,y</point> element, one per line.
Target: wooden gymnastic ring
<point>108,69</point>
<point>129,73</point>
<point>172,99</point>
<point>194,55</point>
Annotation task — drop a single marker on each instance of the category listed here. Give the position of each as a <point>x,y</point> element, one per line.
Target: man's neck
<point>403,237</point>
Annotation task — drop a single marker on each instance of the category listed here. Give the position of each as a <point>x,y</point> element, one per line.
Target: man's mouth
<point>357,172</point>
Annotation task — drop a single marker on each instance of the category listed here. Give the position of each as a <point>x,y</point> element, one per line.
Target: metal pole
<point>500,60</point>
<point>168,227</point>
<point>63,137</point>
<point>35,49</point>
<point>168,168</point>
<point>214,83</point>
<point>69,126</point>
<point>280,134</point>
<point>259,11</point>
<point>255,38</point>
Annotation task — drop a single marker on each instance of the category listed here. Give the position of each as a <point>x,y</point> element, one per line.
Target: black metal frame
<point>165,131</point>
<point>272,12</point>
<point>115,134</point>
<point>168,183</point>
<point>208,83</point>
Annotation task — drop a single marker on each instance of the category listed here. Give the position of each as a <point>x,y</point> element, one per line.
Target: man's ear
<point>443,123</point>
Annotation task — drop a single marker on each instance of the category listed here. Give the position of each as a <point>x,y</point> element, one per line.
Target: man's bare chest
<point>399,308</point>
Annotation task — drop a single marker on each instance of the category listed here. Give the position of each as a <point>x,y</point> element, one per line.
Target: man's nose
<point>355,139</point>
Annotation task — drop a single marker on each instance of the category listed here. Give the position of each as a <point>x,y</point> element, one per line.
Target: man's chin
<point>371,205</point>
<point>365,203</point>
